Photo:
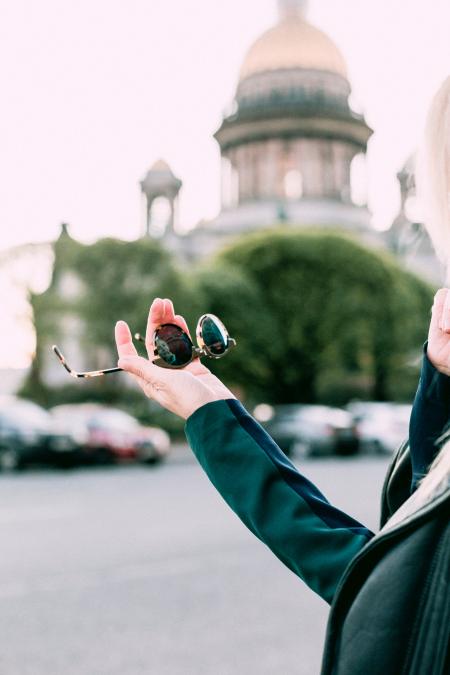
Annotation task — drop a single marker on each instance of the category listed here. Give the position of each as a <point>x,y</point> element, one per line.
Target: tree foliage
<point>237,299</point>
<point>117,280</point>
<point>318,317</point>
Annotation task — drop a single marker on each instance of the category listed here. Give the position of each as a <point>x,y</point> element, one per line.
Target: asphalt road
<point>131,570</point>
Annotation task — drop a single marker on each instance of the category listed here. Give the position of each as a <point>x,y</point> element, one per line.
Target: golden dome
<point>162,166</point>
<point>293,43</point>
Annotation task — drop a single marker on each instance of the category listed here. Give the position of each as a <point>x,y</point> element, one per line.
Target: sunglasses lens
<point>173,345</point>
<point>214,335</point>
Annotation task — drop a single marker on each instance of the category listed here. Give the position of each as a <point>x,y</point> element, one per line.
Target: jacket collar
<point>416,506</point>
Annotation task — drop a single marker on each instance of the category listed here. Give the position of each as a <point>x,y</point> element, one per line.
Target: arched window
<point>293,184</point>
<point>160,216</point>
<point>358,180</point>
<point>230,184</point>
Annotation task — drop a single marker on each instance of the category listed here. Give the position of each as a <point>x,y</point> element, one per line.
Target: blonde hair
<point>433,187</point>
<point>433,173</point>
<point>436,481</point>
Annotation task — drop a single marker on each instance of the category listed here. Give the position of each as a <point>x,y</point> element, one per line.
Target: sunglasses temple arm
<point>88,374</point>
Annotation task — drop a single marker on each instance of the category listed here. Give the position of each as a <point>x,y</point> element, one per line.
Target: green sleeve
<point>276,502</point>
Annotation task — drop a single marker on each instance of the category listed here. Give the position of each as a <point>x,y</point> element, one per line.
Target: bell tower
<point>160,188</point>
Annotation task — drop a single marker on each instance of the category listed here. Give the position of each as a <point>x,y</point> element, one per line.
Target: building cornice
<point>236,131</point>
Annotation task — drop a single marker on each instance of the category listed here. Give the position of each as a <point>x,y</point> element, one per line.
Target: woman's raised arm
<point>274,500</point>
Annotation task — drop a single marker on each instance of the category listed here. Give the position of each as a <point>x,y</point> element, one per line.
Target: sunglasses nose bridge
<point>199,351</point>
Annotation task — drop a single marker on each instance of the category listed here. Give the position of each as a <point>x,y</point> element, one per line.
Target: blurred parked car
<point>29,435</point>
<point>310,430</point>
<point>382,426</point>
<point>111,434</point>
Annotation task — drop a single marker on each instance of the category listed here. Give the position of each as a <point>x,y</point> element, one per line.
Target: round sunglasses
<point>175,349</point>
<point>173,346</point>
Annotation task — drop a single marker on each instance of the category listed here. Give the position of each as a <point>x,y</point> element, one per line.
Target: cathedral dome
<point>293,44</point>
<point>292,102</point>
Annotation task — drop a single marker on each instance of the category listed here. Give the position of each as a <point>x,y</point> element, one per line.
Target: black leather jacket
<point>389,592</point>
<point>391,612</point>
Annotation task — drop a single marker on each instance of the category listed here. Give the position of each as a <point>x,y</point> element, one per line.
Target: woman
<point>389,593</point>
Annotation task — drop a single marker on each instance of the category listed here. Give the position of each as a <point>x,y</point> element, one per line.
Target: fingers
<point>440,313</point>
<point>124,341</point>
<point>179,392</point>
<point>180,321</point>
<point>155,318</point>
<point>161,311</point>
<point>445,318</point>
<point>143,369</point>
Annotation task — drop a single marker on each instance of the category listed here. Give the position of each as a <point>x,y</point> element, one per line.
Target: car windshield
<point>25,413</point>
<point>383,411</point>
<point>317,414</point>
<point>115,420</point>
<point>403,412</point>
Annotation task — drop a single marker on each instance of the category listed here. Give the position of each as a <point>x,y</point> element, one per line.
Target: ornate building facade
<point>290,147</point>
<point>290,141</point>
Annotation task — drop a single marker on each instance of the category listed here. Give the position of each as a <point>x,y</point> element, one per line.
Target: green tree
<point>116,280</point>
<point>325,318</point>
<point>123,278</point>
<point>225,290</point>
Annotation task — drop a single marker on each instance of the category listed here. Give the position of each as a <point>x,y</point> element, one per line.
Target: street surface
<point>132,570</point>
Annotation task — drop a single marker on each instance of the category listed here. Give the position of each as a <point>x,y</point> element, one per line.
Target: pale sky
<point>94,91</point>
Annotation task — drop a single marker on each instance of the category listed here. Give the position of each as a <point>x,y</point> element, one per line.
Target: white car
<point>382,427</point>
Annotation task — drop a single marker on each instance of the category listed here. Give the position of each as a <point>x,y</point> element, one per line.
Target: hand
<point>181,391</point>
<point>438,350</point>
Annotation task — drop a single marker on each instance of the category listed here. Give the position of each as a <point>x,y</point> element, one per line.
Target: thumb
<point>437,310</point>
